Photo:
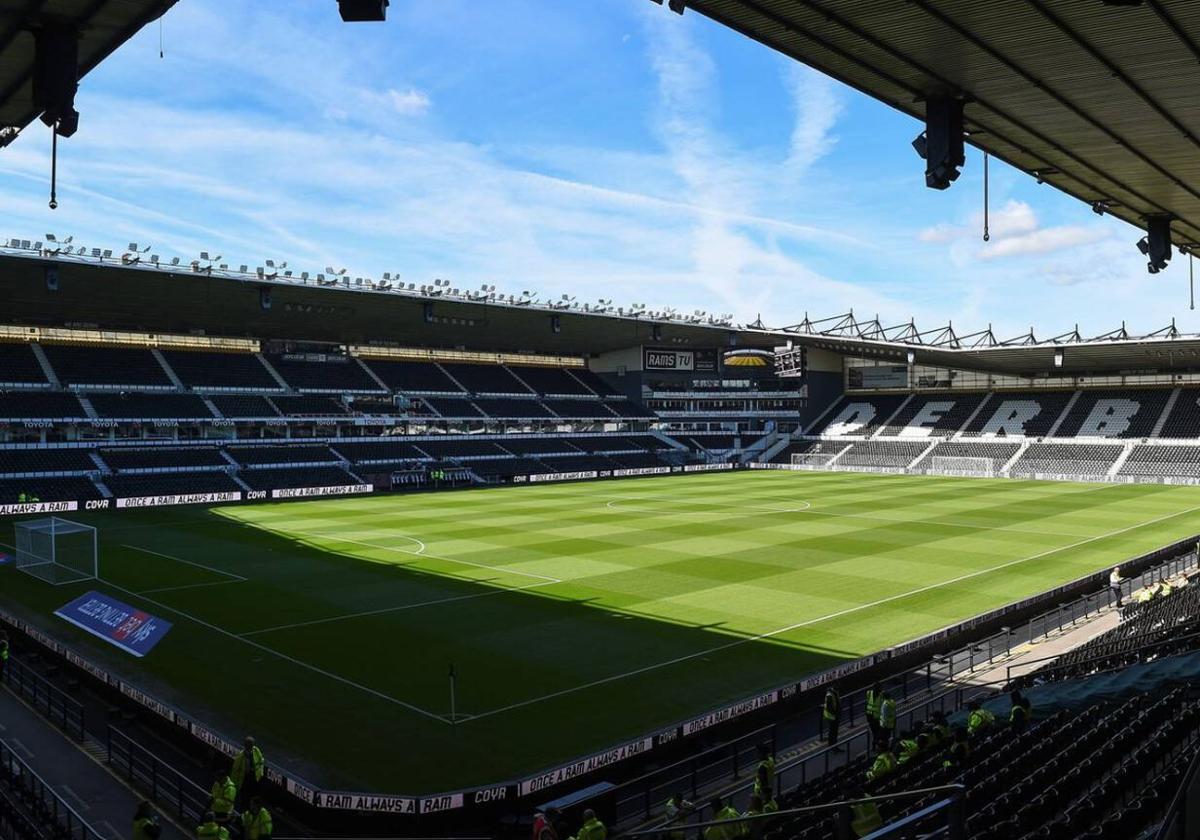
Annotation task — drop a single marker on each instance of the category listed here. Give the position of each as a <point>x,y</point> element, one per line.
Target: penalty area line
<point>819,619</point>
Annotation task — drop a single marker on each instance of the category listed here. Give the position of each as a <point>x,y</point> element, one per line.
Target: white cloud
<point>1014,231</point>
<point>408,103</point>
<point>1044,241</point>
<point>818,108</point>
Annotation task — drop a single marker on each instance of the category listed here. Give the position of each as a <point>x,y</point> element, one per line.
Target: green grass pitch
<point>577,616</point>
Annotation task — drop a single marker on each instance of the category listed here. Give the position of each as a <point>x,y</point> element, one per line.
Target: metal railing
<point>51,701</point>
<point>1182,820</point>
<point>637,799</point>
<point>163,784</point>
<point>948,811</point>
<point>44,804</point>
<point>1103,657</point>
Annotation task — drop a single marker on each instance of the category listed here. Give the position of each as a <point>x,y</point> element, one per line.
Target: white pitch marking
<point>819,619</point>
<point>401,608</point>
<point>618,505</point>
<point>236,578</point>
<point>189,586</point>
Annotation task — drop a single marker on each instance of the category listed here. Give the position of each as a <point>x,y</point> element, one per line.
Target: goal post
<point>812,459</point>
<point>962,465</point>
<point>56,550</point>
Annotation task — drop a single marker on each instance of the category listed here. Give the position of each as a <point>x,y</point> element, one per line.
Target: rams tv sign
<point>703,361</point>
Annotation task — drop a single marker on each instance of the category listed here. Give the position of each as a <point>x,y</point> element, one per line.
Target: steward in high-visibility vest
<point>770,806</point>
<point>910,747</point>
<point>754,827</point>
<point>247,772</point>
<point>723,813</point>
<point>865,819</point>
<point>979,720</point>
<point>592,828</point>
<point>938,730</point>
<point>1022,711</point>
<point>766,762</point>
<point>831,714</point>
<point>762,783</point>
<point>223,797</point>
<point>884,765</point>
<point>3,655</point>
<point>677,810</point>
<point>960,750</point>
<point>256,822</point>
<point>887,721</point>
<point>874,701</point>
<point>145,823</point>
<point>210,829</point>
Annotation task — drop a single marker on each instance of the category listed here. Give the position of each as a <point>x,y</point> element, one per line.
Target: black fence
<point>51,701</point>
<point>162,784</point>
<point>39,801</point>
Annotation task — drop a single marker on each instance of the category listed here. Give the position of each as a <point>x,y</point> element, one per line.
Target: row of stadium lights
<point>279,272</point>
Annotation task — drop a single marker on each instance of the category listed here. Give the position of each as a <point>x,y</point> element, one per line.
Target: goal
<point>57,551</point>
<point>962,465</point>
<point>812,459</point>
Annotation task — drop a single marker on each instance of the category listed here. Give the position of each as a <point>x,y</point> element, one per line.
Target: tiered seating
<point>280,479</point>
<point>617,443</point>
<point>635,461</point>
<point>551,382</point>
<point>1000,453</point>
<point>413,377</point>
<point>807,447</point>
<point>154,406</point>
<point>1184,419</point>
<point>594,382</point>
<point>1066,459</point>
<point>1117,414</point>
<point>24,405</point>
<point>366,452</point>
<point>460,447</point>
<point>453,408</point>
<point>203,370</point>
<point>340,374</point>
<point>630,410</point>
<point>577,463</point>
<point>708,442</point>
<point>237,406</point>
<point>882,453</point>
<point>112,366</point>
<point>933,415</point>
<point>1162,461</point>
<point>1019,414</point>
<point>580,409</point>
<point>47,489</point>
<point>21,461</point>
<point>499,407</point>
<point>158,458</point>
<point>252,456</point>
<point>508,467</point>
<point>170,484</point>
<point>18,366</point>
<point>485,379</point>
<point>303,406</point>
<point>537,446</point>
<point>859,416</point>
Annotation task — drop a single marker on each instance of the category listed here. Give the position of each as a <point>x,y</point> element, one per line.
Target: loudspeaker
<point>427,312</point>
<point>56,74</point>
<point>359,11</point>
<point>655,332</point>
<point>51,274</point>
<point>555,324</point>
<point>264,298</point>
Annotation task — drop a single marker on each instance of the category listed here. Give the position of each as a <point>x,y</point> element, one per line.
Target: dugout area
<point>576,616</point>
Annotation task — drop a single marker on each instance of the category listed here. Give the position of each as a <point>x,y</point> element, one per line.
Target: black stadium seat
<point>19,366</point>
<point>204,370</point>
<point>108,366</point>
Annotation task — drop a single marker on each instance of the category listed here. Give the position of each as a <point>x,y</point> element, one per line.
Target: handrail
<point>160,781</point>
<point>954,791</point>
<point>58,706</point>
<point>1181,812</point>
<point>1099,658</point>
<point>69,821</point>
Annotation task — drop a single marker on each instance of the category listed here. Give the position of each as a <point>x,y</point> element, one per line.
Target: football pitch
<point>575,616</point>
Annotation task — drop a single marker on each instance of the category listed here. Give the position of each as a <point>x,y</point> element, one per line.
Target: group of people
<point>235,803</point>
<point>729,823</point>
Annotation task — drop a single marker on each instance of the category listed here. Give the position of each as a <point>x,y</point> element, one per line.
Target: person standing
<point>210,829</point>
<point>247,771</point>
<point>874,700</point>
<point>256,821</point>
<point>677,811</point>
<point>1114,584</point>
<point>887,722</point>
<point>831,715</point>
<point>1022,711</point>
<point>222,798</point>
<point>766,762</point>
<point>544,827</point>
<point>592,828</point>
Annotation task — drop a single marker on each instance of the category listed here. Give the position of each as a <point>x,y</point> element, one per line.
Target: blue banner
<point>132,630</point>
<point>4,559</point>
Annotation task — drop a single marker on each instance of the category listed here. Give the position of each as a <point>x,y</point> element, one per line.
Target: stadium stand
<point>1066,459</point>
<point>1019,414</point>
<point>999,453</point>
<point>859,416</point>
<point>508,467</point>
<point>19,366</point>
<point>171,484</point>
<point>161,458</point>
<point>500,408</point>
<point>46,489</point>
<point>243,406</point>
<point>1146,461</point>
<point>109,367</point>
<point>220,371</point>
<point>34,461</point>
<point>288,477</point>
<point>330,374</point>
<point>452,448</point>
<point>160,406</point>
<point>551,382</point>
<point>1109,413</point>
<point>808,446</point>
<point>413,377</point>
<point>538,445</point>
<point>594,383</point>
<point>486,379</point>
<point>24,405</point>
<point>580,409</point>
<point>631,410</point>
<point>882,453</point>
<point>257,456</point>
<point>453,408</point>
<point>1183,420</point>
<point>306,406</point>
<point>933,415</point>
<point>360,452</point>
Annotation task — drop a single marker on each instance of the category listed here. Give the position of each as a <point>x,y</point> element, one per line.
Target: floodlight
<point>1156,244</point>
<point>363,11</point>
<point>940,145</point>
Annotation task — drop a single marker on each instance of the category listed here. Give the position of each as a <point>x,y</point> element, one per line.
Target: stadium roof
<point>1117,351</point>
<point>104,25</point>
<point>1095,99</point>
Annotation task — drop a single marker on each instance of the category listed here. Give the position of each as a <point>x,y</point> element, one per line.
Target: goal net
<point>57,550</point>
<point>962,465</point>
<point>812,459</point>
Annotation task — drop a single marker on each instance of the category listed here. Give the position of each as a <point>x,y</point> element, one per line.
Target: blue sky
<point>602,149</point>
